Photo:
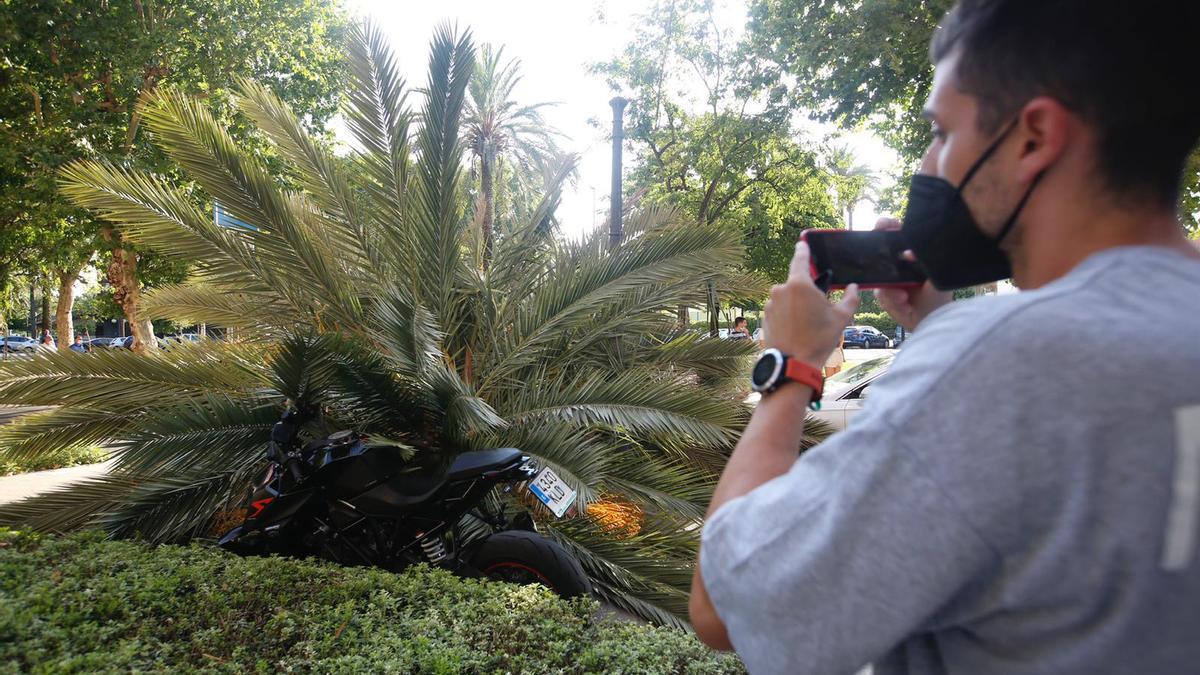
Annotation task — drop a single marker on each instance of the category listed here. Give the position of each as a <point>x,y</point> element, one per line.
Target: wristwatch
<point>774,368</point>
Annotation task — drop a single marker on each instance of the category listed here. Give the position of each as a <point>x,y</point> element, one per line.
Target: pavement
<point>20,486</point>
<point>14,488</point>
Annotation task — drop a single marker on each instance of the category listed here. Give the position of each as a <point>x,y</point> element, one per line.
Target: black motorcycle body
<point>355,502</point>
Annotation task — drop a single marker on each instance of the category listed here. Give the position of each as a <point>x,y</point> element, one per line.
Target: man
<point>1021,493</point>
<point>78,346</point>
<point>740,330</point>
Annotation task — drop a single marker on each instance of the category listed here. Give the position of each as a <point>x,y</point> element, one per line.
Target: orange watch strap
<point>799,371</point>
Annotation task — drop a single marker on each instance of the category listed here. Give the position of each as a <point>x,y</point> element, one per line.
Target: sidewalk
<point>13,488</point>
<point>20,486</point>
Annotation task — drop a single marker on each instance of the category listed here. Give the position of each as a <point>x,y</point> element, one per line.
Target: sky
<point>555,41</point>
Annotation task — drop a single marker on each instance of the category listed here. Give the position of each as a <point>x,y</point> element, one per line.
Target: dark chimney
<point>615,229</point>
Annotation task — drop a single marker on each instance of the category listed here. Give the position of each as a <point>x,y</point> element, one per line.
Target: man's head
<point>739,322</point>
<point>78,339</point>
<point>1102,97</point>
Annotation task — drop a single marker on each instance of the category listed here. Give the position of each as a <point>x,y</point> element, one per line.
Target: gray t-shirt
<point>1021,494</point>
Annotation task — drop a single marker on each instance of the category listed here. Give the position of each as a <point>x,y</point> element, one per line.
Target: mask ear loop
<point>1012,220</point>
<point>991,149</point>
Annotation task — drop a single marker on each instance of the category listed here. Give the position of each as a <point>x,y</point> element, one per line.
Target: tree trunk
<point>122,275</point>
<point>714,311</point>
<point>682,316</point>
<point>487,187</point>
<point>45,328</point>
<point>66,302</point>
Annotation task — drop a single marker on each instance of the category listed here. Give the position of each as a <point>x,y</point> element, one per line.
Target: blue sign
<point>223,218</point>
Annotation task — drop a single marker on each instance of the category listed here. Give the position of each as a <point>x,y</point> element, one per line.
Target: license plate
<point>553,491</point>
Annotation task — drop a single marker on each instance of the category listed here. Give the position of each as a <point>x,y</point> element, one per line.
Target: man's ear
<point>1045,128</point>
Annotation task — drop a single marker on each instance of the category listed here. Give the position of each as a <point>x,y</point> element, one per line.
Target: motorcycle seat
<point>476,462</point>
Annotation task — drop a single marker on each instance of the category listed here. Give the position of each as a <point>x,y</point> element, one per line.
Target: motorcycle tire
<point>523,557</point>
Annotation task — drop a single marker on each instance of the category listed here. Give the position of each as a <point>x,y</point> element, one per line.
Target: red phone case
<point>812,272</point>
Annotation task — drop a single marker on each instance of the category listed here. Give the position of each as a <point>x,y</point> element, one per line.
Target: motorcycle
<point>347,499</point>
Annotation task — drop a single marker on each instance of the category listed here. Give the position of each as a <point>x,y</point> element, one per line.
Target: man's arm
<point>767,449</point>
<point>802,324</point>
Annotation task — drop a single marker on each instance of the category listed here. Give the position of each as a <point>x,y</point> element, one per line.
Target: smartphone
<point>870,259</point>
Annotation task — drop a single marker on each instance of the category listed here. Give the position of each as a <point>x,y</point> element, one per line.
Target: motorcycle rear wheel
<point>521,557</point>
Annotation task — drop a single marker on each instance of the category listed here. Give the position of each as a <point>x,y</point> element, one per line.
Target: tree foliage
<point>72,75</point>
<point>867,62</point>
<point>727,155</point>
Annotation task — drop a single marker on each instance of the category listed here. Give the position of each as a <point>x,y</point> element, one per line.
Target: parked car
<point>102,342</point>
<point>845,392</point>
<point>182,338</point>
<point>19,344</point>
<point>866,337</point>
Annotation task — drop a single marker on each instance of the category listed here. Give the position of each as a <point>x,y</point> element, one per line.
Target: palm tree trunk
<point>488,188</point>
<point>122,275</point>
<point>66,302</point>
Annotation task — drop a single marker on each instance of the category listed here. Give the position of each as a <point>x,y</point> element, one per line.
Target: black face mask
<point>944,236</point>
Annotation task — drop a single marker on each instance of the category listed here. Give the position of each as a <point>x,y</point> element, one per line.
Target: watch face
<point>765,370</point>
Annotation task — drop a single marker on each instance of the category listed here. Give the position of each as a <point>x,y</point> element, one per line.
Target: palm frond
<point>377,116</point>
<point>219,306</point>
<point>301,269</point>
<point>435,229</point>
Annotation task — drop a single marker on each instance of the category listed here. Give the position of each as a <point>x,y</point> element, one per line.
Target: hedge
<point>85,454</point>
<point>82,604</point>
<point>881,320</point>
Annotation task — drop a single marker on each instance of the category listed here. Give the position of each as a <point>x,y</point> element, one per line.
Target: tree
<point>73,74</point>
<point>868,63</point>
<point>500,129</point>
<point>852,182</point>
<point>361,289</point>
<point>724,157</point>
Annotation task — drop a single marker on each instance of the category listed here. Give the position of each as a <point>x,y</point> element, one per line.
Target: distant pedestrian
<point>837,358</point>
<point>78,346</point>
<point>740,330</point>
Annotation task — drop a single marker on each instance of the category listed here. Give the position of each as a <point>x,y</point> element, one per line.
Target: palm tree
<point>498,128</point>
<point>356,290</point>
<point>852,182</point>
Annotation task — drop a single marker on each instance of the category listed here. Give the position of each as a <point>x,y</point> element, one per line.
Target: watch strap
<point>799,371</point>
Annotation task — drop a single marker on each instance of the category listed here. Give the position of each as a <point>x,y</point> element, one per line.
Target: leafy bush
<point>57,459</point>
<point>881,320</point>
<point>83,604</point>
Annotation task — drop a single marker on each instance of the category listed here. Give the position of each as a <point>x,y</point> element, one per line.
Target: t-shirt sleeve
<point>828,567</point>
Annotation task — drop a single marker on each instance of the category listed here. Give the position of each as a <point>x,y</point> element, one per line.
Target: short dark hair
<point>739,319</point>
<point>1128,69</point>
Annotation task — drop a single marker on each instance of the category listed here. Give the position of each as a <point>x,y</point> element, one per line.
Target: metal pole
<point>615,229</point>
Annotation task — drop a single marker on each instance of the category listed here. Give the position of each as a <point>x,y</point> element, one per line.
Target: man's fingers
<point>800,266</point>
<point>849,302</point>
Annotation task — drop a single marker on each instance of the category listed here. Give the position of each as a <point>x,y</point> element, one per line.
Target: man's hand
<point>909,306</point>
<point>799,321</point>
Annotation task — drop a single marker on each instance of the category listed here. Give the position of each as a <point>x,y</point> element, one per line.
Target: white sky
<point>556,40</point>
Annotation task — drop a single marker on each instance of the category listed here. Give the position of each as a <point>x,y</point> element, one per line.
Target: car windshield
<point>851,377</point>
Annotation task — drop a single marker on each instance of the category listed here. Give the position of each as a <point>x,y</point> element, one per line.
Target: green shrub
<point>880,320</point>
<point>82,604</point>
<point>83,454</point>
